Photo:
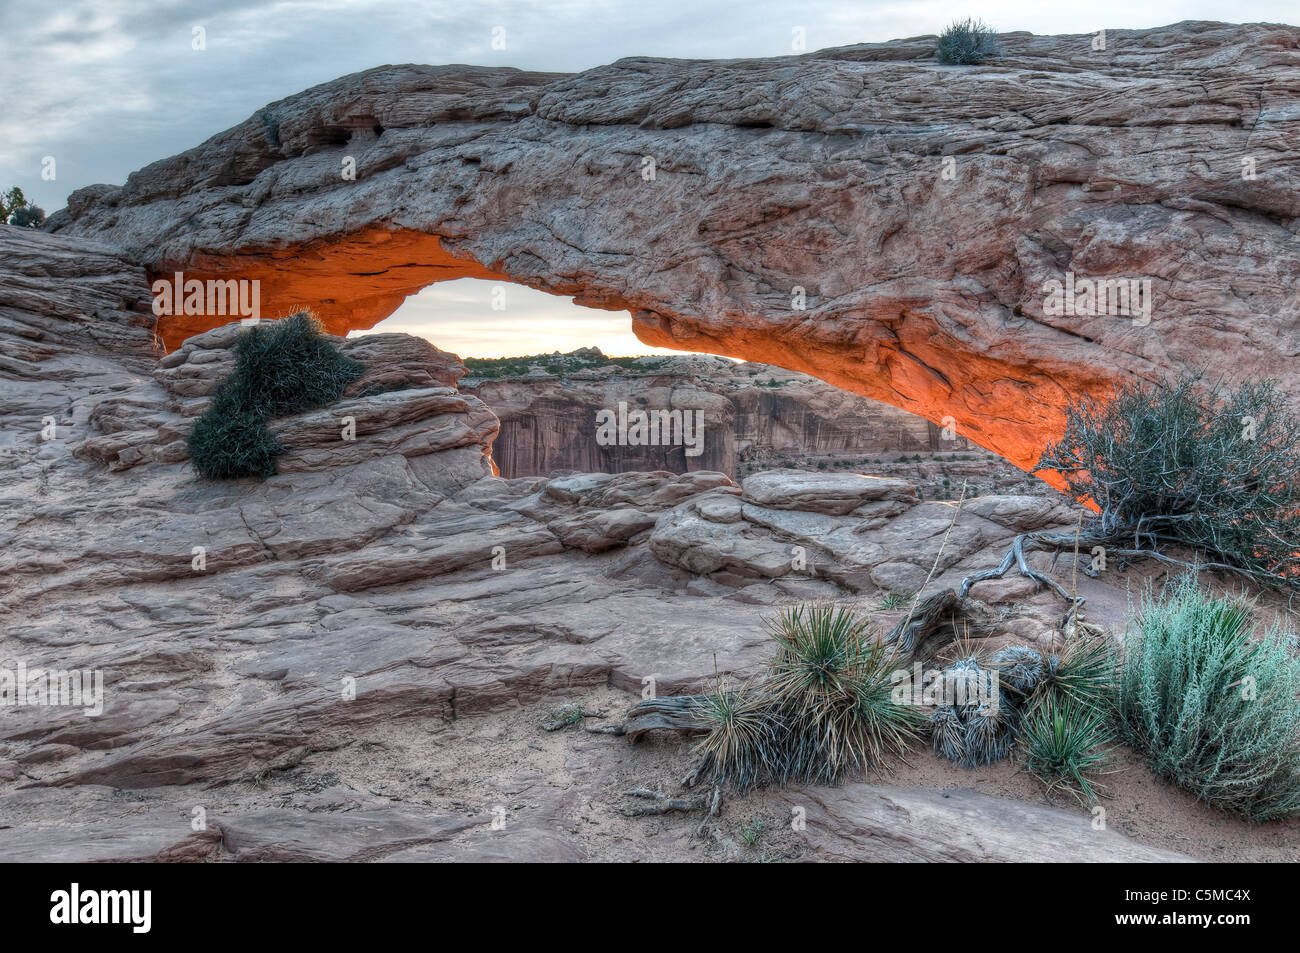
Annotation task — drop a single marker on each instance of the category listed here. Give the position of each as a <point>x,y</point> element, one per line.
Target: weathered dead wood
<point>670,713</point>
<point>710,804</point>
<point>915,635</point>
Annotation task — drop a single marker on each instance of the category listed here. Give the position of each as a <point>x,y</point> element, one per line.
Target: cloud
<point>458,316</point>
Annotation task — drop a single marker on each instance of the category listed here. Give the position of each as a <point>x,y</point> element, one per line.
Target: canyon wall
<point>753,413</point>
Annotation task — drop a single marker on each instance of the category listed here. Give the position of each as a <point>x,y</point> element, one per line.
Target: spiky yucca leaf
<point>1086,673</point>
<point>1064,742</point>
<point>829,680</point>
<point>743,744</point>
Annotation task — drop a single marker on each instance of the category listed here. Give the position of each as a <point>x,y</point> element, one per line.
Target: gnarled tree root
<point>666,804</point>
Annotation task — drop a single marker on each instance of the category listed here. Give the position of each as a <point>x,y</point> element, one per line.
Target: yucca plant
<point>1212,708</point>
<point>893,600</point>
<point>1065,742</point>
<point>977,730</point>
<point>1020,669</point>
<point>742,746</point>
<point>829,681</point>
<point>1084,673</point>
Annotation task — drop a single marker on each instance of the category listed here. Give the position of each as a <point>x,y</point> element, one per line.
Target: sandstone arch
<point>822,172</point>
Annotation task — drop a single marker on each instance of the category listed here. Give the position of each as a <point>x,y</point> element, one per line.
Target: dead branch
<point>671,713</point>
<point>664,803</point>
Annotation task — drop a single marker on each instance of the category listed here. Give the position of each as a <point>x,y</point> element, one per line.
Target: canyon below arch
<point>363,657</point>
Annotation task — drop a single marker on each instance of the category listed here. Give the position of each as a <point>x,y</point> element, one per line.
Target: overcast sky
<point>107,86</point>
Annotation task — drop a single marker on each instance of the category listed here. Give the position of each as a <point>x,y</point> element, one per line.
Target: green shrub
<point>282,367</point>
<point>894,600</point>
<point>966,42</point>
<point>29,216</point>
<point>11,202</point>
<point>232,444</point>
<point>1080,680</point>
<point>1084,673</point>
<point>1210,708</point>
<point>742,746</point>
<point>1186,462</point>
<point>286,367</point>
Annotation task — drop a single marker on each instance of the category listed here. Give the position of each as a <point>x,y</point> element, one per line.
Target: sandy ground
<point>575,781</point>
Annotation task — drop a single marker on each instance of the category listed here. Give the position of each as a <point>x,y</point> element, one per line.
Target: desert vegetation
<point>16,210</point>
<point>1189,472</point>
<point>281,367</point>
<point>966,43</point>
<point>556,364</point>
<point>823,710</point>
<point>1211,707</point>
<point>1194,464</point>
<point>1208,706</point>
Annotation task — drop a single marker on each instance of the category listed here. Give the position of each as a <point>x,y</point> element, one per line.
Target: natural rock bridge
<point>863,214</point>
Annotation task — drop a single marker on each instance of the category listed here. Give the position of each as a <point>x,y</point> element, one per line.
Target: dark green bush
<point>231,444</point>
<point>1186,462</point>
<point>1211,708</point>
<point>282,367</point>
<point>29,216</point>
<point>286,367</point>
<point>967,42</point>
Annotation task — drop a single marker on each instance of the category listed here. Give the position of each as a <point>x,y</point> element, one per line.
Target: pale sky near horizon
<point>105,87</point>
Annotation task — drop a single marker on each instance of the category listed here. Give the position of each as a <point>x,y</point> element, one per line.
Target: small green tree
<point>28,216</point>
<point>11,202</point>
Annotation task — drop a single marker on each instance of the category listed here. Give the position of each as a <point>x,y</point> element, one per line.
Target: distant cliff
<point>752,414</point>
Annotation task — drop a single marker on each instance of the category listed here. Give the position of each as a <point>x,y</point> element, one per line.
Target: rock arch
<point>915,210</point>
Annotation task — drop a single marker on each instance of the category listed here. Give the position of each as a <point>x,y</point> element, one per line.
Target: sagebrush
<point>1209,705</point>
<point>967,42</point>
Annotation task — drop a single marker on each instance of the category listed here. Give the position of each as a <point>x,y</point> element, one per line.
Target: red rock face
<point>351,282</point>
<point>863,214</point>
